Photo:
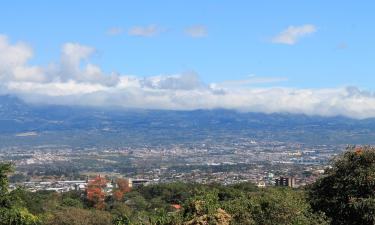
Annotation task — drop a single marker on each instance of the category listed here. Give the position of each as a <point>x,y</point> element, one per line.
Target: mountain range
<point>25,124</point>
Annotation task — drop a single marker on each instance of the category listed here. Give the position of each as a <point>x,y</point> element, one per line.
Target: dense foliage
<point>344,195</point>
<point>11,214</point>
<point>174,203</point>
<point>346,192</point>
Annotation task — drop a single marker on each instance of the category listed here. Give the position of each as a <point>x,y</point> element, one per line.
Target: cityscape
<point>198,112</point>
<point>258,162</point>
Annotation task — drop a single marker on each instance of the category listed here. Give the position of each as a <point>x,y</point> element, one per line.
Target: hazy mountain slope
<point>95,126</point>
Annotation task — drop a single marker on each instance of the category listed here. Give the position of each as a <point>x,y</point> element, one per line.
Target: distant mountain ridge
<point>151,126</point>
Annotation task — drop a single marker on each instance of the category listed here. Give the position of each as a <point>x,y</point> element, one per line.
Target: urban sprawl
<point>264,163</point>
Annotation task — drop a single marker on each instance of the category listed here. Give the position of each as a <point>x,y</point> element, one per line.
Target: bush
<point>76,216</point>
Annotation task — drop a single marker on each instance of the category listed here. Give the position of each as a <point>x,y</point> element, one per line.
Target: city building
<point>285,181</point>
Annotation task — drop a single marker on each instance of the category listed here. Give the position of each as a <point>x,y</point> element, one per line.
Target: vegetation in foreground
<point>345,194</point>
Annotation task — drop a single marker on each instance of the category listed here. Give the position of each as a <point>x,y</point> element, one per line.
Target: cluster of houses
<point>72,185</point>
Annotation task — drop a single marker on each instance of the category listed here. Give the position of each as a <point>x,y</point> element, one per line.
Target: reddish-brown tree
<point>122,188</point>
<point>95,192</point>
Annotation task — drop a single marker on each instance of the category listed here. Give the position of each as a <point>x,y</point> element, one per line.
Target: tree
<point>346,192</point>
<point>122,188</point>
<point>282,206</point>
<point>17,216</point>
<point>95,192</point>
<point>205,209</point>
<point>36,202</point>
<point>5,169</point>
<point>71,202</point>
<point>9,214</point>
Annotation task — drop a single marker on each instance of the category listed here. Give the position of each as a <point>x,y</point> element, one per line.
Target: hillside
<point>79,126</point>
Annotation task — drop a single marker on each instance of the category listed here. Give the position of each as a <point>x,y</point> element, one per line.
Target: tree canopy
<point>346,192</point>
<point>9,213</point>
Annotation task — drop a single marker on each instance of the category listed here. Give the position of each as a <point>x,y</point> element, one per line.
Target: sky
<point>311,57</point>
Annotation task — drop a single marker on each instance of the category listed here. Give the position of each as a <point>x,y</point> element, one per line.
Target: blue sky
<point>311,57</point>
<point>238,42</point>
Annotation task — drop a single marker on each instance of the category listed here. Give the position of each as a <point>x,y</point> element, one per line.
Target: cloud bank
<point>75,81</point>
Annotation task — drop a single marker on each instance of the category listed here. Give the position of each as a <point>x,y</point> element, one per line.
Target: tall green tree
<point>5,170</point>
<point>346,192</point>
<point>9,214</point>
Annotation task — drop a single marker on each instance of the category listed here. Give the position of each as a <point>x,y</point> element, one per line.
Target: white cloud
<point>292,34</point>
<point>252,79</point>
<point>145,31</point>
<point>131,92</point>
<point>13,62</point>
<point>113,31</point>
<point>185,81</point>
<point>74,66</point>
<point>55,89</point>
<point>196,31</point>
<point>14,65</point>
<point>72,54</point>
<point>74,81</point>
